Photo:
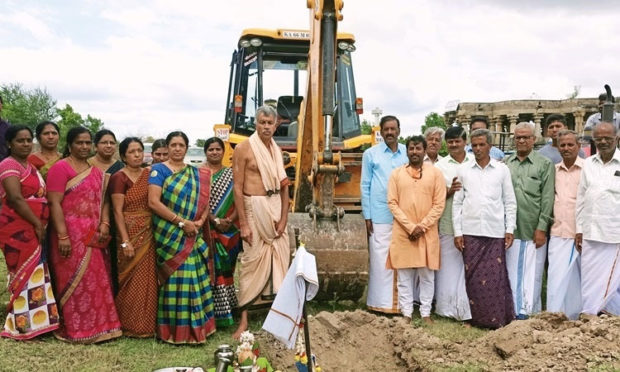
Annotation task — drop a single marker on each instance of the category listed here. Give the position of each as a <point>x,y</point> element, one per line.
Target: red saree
<point>82,280</point>
<point>32,307</point>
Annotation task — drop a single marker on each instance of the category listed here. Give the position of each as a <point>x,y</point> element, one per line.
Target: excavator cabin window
<point>276,73</point>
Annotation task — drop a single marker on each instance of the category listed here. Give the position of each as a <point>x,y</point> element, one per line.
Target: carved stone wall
<point>503,116</point>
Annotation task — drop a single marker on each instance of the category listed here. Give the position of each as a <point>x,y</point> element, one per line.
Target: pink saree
<point>82,281</point>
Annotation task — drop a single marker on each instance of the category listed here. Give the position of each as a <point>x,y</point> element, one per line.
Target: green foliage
<point>366,127</point>
<point>148,139</point>
<point>200,143</point>
<point>32,106</point>
<point>71,119</point>
<point>435,120</point>
<point>27,107</point>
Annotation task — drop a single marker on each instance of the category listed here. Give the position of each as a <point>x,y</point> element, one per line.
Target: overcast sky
<point>149,67</point>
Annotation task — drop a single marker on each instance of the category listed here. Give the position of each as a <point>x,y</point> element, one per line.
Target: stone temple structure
<point>503,116</point>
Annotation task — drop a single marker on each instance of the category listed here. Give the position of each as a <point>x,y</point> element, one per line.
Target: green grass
<point>123,354</point>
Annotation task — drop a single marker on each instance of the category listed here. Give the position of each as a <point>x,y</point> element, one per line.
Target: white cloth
<point>564,277</point>
<point>448,167</point>
<point>450,292</point>
<point>600,277</point>
<point>486,204</point>
<point>407,279</point>
<point>382,282</point>
<point>525,264</point>
<point>598,199</point>
<point>300,284</point>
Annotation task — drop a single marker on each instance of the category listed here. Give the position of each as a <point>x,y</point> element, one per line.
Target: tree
<point>200,143</point>
<point>366,127</point>
<point>435,120</point>
<point>148,139</point>
<point>27,107</point>
<point>71,119</point>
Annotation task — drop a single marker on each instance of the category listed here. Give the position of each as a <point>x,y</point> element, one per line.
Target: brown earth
<point>361,341</point>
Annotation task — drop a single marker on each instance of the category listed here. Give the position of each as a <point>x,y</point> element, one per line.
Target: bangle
<point>174,218</point>
<point>105,223</point>
<point>63,237</point>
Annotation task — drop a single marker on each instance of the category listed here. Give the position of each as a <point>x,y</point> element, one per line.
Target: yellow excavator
<point>319,133</point>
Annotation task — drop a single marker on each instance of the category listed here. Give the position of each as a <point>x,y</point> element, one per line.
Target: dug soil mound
<point>361,341</point>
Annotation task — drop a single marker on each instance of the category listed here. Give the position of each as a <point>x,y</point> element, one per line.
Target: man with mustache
<point>450,294</point>
<point>434,138</point>
<point>416,197</point>
<point>553,125</point>
<point>533,179</point>
<point>563,279</point>
<point>484,217</point>
<point>262,202</point>
<point>377,164</point>
<point>598,223</point>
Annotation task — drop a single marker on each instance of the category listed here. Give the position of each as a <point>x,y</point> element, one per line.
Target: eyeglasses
<point>603,139</point>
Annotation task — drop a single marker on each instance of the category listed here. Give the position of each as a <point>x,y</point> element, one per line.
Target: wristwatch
<point>217,220</point>
<point>181,224</point>
<point>124,244</point>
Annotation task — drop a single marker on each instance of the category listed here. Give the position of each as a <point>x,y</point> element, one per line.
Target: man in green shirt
<point>533,178</point>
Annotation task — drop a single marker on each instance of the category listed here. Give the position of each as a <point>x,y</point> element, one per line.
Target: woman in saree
<point>47,134</point>
<point>179,199</point>
<point>136,300</point>
<point>78,242</point>
<point>105,149</point>
<point>23,218</point>
<point>222,234</point>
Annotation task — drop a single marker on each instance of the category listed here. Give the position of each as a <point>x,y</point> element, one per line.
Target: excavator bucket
<point>341,251</point>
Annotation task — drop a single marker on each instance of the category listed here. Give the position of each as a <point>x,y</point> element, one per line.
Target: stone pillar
<point>579,122</point>
<point>498,129</point>
<point>513,122</point>
<point>537,121</point>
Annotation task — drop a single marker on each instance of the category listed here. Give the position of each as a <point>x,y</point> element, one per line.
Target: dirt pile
<point>348,341</point>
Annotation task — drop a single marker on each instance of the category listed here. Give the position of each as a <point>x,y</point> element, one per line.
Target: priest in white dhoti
<point>377,165</point>
<point>598,224</point>
<point>450,291</point>
<point>563,273</point>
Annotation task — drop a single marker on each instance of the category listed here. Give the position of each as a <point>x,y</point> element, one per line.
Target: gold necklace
<point>75,167</point>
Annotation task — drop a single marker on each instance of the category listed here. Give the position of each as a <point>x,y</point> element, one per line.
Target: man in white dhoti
<point>450,292</point>
<point>377,165</point>
<point>262,202</point>
<point>598,224</point>
<point>563,276</point>
<point>533,179</point>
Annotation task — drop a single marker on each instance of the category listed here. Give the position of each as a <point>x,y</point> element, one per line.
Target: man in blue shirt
<point>377,165</point>
<point>481,122</point>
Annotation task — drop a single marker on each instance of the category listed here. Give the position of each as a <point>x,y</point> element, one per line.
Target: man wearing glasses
<point>598,224</point>
<point>533,179</point>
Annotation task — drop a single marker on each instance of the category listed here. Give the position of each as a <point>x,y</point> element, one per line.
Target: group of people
<point>98,247</point>
<point>471,232</point>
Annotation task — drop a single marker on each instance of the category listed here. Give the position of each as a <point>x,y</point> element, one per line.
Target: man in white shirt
<point>598,224</point>
<point>450,293</point>
<point>484,214</point>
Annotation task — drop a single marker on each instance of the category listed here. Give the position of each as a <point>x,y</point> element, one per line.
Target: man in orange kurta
<point>416,198</point>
